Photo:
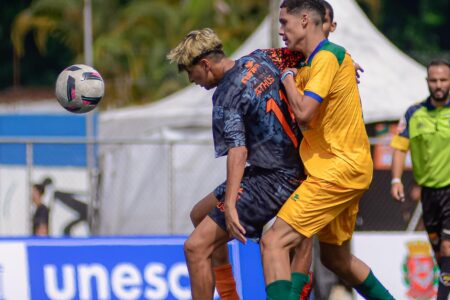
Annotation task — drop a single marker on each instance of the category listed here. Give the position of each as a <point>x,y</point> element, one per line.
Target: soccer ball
<point>79,88</point>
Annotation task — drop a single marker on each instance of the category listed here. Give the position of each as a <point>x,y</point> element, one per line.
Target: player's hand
<point>234,228</point>
<point>397,192</point>
<point>293,70</point>
<point>358,69</point>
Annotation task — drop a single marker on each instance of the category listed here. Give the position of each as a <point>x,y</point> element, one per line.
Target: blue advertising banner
<point>44,125</point>
<point>112,268</point>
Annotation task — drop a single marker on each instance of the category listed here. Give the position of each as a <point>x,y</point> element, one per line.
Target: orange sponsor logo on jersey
<point>264,85</point>
<point>252,68</point>
<point>272,106</point>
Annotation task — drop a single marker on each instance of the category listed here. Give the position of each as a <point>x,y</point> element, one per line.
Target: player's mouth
<point>439,93</point>
<point>440,96</point>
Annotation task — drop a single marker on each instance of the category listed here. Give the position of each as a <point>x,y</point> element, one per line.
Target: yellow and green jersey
<point>335,146</point>
<point>425,130</point>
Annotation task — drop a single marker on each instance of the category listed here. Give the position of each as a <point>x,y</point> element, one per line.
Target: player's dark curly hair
<point>296,6</point>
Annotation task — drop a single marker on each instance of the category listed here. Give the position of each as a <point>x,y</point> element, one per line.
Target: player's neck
<point>227,64</point>
<point>313,41</point>
<point>219,69</point>
<point>440,103</point>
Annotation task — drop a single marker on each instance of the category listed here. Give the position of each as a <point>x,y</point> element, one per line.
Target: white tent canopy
<point>391,82</point>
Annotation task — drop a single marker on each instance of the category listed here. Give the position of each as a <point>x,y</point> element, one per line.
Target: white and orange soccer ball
<point>79,88</point>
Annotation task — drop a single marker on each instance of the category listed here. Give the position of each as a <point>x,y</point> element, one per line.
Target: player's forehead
<point>282,15</point>
<point>439,71</point>
<point>193,69</point>
<point>285,15</point>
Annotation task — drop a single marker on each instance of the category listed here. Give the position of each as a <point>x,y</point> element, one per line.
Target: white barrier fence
<point>154,267</point>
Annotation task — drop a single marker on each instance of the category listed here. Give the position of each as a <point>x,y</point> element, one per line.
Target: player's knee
<point>268,242</point>
<point>191,248</point>
<point>445,248</point>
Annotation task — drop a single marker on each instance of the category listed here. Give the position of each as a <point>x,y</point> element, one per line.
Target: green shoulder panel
<point>337,50</point>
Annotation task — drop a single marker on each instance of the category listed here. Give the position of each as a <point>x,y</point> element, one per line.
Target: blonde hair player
<point>252,125</point>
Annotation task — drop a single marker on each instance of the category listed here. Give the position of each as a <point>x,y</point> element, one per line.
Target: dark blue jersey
<point>250,109</point>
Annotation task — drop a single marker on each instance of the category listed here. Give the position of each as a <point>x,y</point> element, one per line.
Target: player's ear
<point>333,26</point>
<point>304,18</point>
<point>206,64</point>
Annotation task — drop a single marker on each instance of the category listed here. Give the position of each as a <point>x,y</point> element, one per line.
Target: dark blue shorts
<point>261,196</point>
<point>436,214</point>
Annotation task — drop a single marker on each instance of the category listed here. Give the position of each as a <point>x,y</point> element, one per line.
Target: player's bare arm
<point>303,106</point>
<point>358,69</point>
<point>398,162</point>
<point>236,160</point>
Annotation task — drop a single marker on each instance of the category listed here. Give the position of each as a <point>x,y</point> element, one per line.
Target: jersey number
<point>271,105</point>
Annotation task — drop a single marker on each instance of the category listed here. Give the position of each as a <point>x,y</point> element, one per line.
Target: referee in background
<point>425,131</point>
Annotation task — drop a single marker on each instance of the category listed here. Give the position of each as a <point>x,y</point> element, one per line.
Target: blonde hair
<point>196,45</point>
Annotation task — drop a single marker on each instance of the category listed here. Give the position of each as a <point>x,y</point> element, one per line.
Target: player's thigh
<point>341,228</point>
<point>280,235</point>
<point>431,215</point>
<point>314,205</point>
<point>202,208</point>
<point>262,193</point>
<point>206,237</point>
<point>436,215</point>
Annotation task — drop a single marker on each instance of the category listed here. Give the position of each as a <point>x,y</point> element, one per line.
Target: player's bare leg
<point>199,212</point>
<point>223,273</point>
<point>301,276</point>
<point>198,249</point>
<point>345,265</point>
<point>302,259</point>
<point>443,259</point>
<point>275,246</point>
<point>353,271</point>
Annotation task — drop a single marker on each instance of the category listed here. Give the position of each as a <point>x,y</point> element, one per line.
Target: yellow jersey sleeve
<point>400,143</point>
<point>324,67</point>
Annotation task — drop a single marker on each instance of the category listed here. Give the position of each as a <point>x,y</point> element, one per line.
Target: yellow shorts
<point>322,208</point>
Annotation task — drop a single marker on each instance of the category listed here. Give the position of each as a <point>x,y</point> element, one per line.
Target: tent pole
<point>274,8</point>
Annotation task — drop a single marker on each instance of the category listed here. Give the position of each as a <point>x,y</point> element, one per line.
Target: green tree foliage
<point>419,27</point>
<point>132,38</point>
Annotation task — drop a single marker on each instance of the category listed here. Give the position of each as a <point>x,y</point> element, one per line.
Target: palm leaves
<point>132,38</point>
<point>46,17</point>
